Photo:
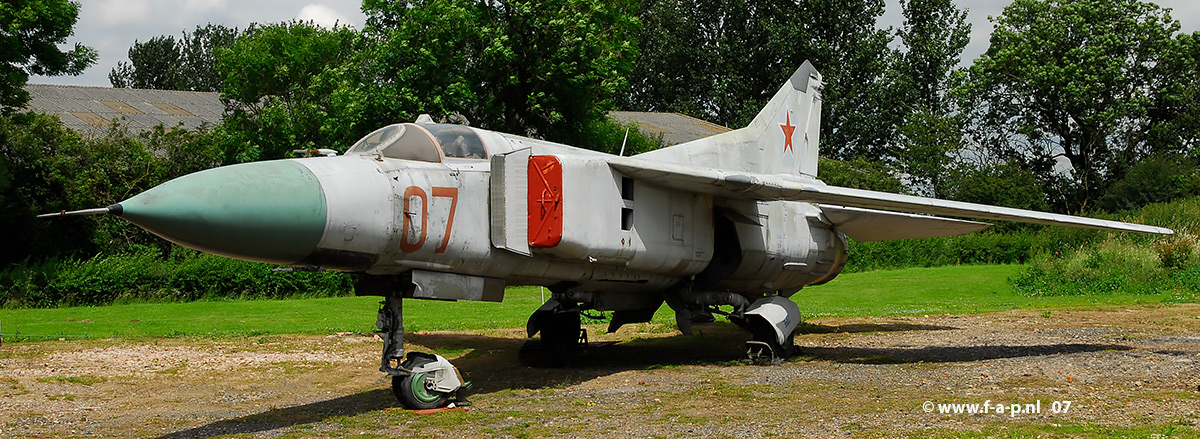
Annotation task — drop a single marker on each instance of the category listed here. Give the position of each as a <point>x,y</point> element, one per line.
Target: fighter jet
<point>734,224</point>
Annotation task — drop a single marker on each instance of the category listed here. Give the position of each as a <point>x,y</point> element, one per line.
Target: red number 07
<point>416,192</point>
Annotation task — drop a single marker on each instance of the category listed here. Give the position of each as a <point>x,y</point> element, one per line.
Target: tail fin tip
<point>803,75</point>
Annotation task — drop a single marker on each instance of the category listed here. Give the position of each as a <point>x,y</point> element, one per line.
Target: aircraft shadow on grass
<point>493,365</point>
<point>948,354</point>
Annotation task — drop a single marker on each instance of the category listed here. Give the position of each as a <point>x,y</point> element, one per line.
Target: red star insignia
<point>788,129</point>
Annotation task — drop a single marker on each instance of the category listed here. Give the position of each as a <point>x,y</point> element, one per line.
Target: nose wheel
<point>420,381</point>
<point>416,390</point>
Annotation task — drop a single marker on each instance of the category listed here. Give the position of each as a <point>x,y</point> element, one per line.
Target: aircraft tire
<point>410,390</point>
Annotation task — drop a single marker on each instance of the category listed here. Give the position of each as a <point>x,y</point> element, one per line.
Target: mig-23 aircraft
<point>436,211</point>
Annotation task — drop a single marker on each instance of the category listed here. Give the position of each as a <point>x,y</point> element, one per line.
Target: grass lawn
<point>952,289</point>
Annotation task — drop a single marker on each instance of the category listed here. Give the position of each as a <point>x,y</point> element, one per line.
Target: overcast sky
<point>111,26</point>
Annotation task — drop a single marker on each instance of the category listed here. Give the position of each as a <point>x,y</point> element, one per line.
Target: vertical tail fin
<point>789,127</point>
<point>782,138</point>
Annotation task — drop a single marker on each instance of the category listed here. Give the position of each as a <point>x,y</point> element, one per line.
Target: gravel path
<point>1126,371</point>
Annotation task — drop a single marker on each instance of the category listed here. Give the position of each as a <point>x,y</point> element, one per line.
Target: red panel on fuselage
<point>545,201</point>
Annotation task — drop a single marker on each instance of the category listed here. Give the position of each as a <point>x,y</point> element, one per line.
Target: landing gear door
<point>510,201</point>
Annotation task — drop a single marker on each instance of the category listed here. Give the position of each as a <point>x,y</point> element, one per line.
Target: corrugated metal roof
<point>90,110</point>
<point>674,127</point>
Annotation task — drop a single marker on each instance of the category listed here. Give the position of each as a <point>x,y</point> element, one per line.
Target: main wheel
<point>413,390</point>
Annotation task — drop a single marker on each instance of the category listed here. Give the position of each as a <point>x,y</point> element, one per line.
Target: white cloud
<point>323,16</point>
<point>1188,14</point>
<point>115,12</point>
<point>203,5</point>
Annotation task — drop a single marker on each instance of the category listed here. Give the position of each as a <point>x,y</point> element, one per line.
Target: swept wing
<point>768,187</point>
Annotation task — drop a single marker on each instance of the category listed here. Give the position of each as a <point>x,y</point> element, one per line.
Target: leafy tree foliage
<point>421,59</point>
<point>154,64</point>
<point>45,167</point>
<point>998,185</point>
<point>860,109</point>
<point>284,88</point>
<point>545,69</point>
<point>934,34</point>
<point>164,63</point>
<point>30,32</point>
<point>721,60</point>
<point>860,173</point>
<point>1157,179</point>
<point>1100,83</point>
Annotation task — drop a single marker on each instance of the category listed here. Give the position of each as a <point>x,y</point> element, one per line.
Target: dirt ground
<point>1126,371</point>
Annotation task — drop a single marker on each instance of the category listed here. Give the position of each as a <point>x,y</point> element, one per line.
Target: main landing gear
<point>421,381</point>
<point>772,322</point>
<point>563,336</point>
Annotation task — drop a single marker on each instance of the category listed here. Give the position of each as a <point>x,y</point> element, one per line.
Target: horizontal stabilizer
<point>768,187</point>
<point>866,225</point>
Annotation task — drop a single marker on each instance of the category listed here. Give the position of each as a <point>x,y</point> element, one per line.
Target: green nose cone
<point>270,211</point>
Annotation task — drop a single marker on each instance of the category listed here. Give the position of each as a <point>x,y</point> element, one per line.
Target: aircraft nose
<point>272,211</point>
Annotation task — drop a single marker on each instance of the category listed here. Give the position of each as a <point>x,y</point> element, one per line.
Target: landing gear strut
<point>562,338</point>
<point>772,322</point>
<point>422,381</point>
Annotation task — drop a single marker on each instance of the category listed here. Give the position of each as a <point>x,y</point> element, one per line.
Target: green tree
<point>998,185</point>
<point>30,32</point>
<point>420,58</point>
<point>45,167</point>
<point>860,173</point>
<point>1156,179</point>
<point>164,63</point>
<point>722,60</point>
<point>1094,81</point>
<point>154,64</point>
<point>545,69</point>
<point>198,53</point>
<point>284,88</point>
<point>934,34</point>
<point>930,143</point>
<point>861,109</point>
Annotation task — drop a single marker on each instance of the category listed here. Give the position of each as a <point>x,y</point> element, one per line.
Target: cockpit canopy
<point>424,142</point>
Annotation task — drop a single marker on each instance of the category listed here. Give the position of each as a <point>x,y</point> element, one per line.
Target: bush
<point>999,185</point>
<point>977,248</point>
<point>860,173</point>
<point>1073,262</point>
<point>45,167</point>
<point>144,276</point>
<point>1109,267</point>
<point>1157,179</point>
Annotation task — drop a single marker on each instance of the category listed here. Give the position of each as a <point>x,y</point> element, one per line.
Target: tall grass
<point>144,276</point>
<point>1107,262</point>
<point>1014,247</point>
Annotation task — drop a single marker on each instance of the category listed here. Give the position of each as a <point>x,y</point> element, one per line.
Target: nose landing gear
<point>420,381</point>
<point>432,383</point>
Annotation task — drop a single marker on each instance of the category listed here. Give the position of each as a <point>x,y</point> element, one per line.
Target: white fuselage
<point>391,215</point>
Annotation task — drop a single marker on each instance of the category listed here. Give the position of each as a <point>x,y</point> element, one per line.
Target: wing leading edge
<point>778,188</point>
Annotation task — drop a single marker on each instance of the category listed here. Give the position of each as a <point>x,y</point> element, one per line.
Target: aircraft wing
<point>768,187</point>
<point>866,225</point>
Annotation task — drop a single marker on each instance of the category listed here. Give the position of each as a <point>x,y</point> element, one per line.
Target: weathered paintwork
<point>460,209</point>
<point>447,212</point>
<point>270,211</point>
